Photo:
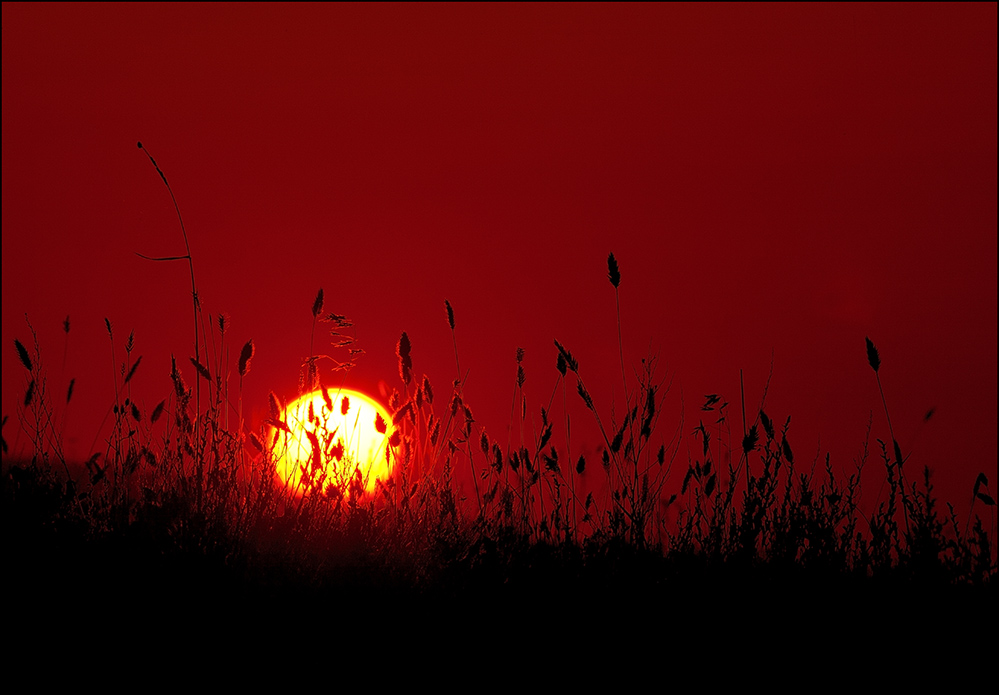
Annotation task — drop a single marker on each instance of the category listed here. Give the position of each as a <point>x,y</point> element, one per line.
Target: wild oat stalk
<point>42,430</point>
<point>190,265</point>
<point>454,338</point>
<point>459,386</point>
<point>614,275</point>
<point>874,359</point>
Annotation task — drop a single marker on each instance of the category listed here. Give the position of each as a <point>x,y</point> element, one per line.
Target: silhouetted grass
<point>190,506</point>
<point>182,505</point>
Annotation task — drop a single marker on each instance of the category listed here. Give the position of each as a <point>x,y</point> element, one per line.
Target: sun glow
<point>335,442</point>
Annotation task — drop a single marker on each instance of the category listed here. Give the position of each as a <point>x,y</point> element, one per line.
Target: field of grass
<point>181,506</point>
<point>193,513</point>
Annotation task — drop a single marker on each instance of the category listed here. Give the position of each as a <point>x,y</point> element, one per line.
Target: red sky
<point>774,180</point>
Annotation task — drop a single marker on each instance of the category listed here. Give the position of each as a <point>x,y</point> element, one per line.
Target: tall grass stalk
<point>195,302</point>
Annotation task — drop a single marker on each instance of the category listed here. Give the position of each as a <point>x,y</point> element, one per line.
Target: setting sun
<point>335,440</point>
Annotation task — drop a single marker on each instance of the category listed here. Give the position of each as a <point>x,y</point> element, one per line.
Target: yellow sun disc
<point>337,443</point>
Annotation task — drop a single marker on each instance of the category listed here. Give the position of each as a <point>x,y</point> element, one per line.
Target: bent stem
<point>194,288</point>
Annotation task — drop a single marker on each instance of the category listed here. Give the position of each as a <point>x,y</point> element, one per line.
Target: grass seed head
<point>157,411</point>
<point>613,272</point>
<point>245,355</point>
<point>22,353</point>
<point>979,482</point>
<point>872,356</point>
<point>785,447</point>
<point>750,440</point>
<point>768,425</point>
<point>567,356</point>
<point>201,369</point>
<point>179,386</point>
<point>450,314</point>
<point>275,405</point>
<point>317,305</point>
<point>131,372</point>
<point>405,361</point>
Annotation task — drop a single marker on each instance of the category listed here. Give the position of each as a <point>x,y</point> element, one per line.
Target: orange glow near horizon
<point>335,441</point>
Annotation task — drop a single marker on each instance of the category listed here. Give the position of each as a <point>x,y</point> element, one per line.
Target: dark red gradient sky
<point>774,179</point>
